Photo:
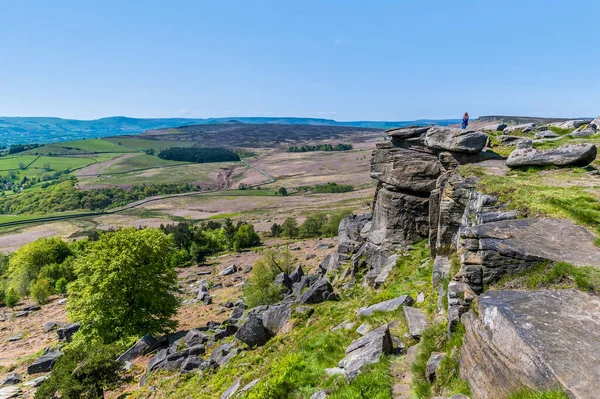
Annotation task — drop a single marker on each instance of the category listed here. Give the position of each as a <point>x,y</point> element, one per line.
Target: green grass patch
<point>78,147</point>
<point>560,131</point>
<point>560,275</point>
<point>137,144</point>
<point>531,394</point>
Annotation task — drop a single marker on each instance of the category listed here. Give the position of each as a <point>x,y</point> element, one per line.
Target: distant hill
<point>26,130</point>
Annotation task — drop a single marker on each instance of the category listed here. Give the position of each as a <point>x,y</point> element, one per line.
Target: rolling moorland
<point>358,273</point>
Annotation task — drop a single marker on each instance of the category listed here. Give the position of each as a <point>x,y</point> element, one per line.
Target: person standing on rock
<point>465,120</point>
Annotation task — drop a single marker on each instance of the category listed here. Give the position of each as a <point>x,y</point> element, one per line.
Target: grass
<point>560,275</point>
<point>292,365</point>
<point>140,161</point>
<point>79,147</point>
<point>142,144</point>
<point>530,394</point>
<point>448,381</point>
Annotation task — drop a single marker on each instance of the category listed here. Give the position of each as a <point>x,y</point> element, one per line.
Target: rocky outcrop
<point>44,363</point>
<point>253,332</point>
<point>524,128</point>
<point>416,320</point>
<point>567,154</point>
<point>386,306</point>
<point>572,124</point>
<point>536,339</point>
<point>495,127</point>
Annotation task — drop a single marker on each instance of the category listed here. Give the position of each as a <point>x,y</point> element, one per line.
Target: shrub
<point>12,298</point>
<point>275,230</point>
<point>260,288</point>
<point>60,287</point>
<point>289,228</point>
<point>41,291</point>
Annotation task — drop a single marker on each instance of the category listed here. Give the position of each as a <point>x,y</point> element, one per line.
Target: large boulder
<point>385,306</point>
<point>349,232</point>
<point>66,333</point>
<point>524,128</point>
<point>275,317</point>
<point>511,141</point>
<point>596,123</point>
<point>405,169</point>
<point>494,127</point>
<point>253,332</point>
<point>416,320</point>
<point>366,350</point>
<point>44,363</point>
<point>455,139</point>
<point>145,345</point>
<point>11,379</point>
<point>572,124</point>
<point>316,293</point>
<point>403,133</point>
<point>567,154</point>
<point>532,339</point>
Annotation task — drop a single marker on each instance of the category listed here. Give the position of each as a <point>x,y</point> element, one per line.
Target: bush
<point>289,228</point>
<point>260,288</point>
<point>82,372</point>
<point>125,286</point>
<point>245,237</point>
<point>12,298</point>
<point>275,230</point>
<point>41,291</point>
<point>60,287</point>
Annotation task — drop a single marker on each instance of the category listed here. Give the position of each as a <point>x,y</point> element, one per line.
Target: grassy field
<point>140,161</point>
<point>143,145</point>
<point>78,147</point>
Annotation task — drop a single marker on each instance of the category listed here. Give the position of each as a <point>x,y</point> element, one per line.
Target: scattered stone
<point>496,127</point>
<point>50,325</point>
<point>346,325</point>
<point>319,395</point>
<point>325,246</point>
<point>190,363</point>
<point>455,139</point>
<point>62,301</point>
<point>421,297</point>
<point>363,329</point>
<point>303,311</point>
<point>310,256</point>
<point>207,299</point>
<point>545,134</point>
<point>10,392</point>
<point>236,313</point>
<point>417,321</point>
<point>295,248</point>
<point>228,270</point>
<point>315,293</point>
<point>15,338</point>
<point>36,382</point>
<point>433,364</point>
<point>157,360</point>
<point>524,128</point>
<point>253,332</point>
<point>567,154</point>
<point>275,317</point>
<point>411,354</point>
<point>32,308</point>
<point>572,124</point>
<point>44,363</point>
<point>247,269</point>
<point>511,141</point>
<point>248,387</point>
<point>11,379</point>
<point>65,334</point>
<point>228,394</point>
<point>366,350</point>
<point>386,306</point>
<point>297,275</point>
<point>145,345</point>
<point>23,313</point>
<point>228,331</point>
<point>334,371</point>
<point>283,279</point>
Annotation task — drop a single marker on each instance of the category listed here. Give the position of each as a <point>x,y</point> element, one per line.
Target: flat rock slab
<point>366,350</point>
<point>416,320</point>
<point>10,392</point>
<point>454,139</point>
<point>386,306</point>
<point>567,154</point>
<point>538,339</point>
<point>557,240</point>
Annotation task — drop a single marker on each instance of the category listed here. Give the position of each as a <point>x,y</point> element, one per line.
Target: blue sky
<point>340,59</point>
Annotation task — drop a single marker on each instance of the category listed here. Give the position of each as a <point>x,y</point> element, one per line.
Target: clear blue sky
<point>340,59</point>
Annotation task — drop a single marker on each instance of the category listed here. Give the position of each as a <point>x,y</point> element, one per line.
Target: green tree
<point>282,191</point>
<point>312,225</point>
<point>27,262</point>
<point>289,228</point>
<point>229,230</point>
<point>82,372</point>
<point>260,288</point>
<point>12,298</point>
<point>60,287</point>
<point>41,291</point>
<point>246,237</point>
<point>275,230</point>
<point>125,286</point>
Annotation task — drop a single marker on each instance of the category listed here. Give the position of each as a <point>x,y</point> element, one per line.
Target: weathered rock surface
<point>526,127</point>
<point>495,127</point>
<point>11,379</point>
<point>253,332</point>
<point>433,364</point>
<point>509,141</point>
<point>44,363</point>
<point>276,316</point>
<point>408,132</point>
<point>366,350</point>
<point>316,293</point>
<point>386,306</point>
<point>145,345</point>
<point>66,333</point>
<point>567,154</point>
<point>454,139</point>
<point>10,392</point>
<point>405,169</point>
<point>572,124</point>
<point>416,320</point>
<point>495,249</point>
<point>228,394</point>
<point>537,339</point>
<point>545,134</point>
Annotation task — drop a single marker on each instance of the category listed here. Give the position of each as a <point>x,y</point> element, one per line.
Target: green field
<point>79,147</point>
<point>143,145</point>
<point>140,161</point>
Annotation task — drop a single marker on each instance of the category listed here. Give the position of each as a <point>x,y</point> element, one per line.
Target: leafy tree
<point>289,228</point>
<point>60,287</point>
<point>198,155</point>
<point>229,230</point>
<point>41,291</point>
<point>260,288</point>
<point>27,262</point>
<point>125,286</point>
<point>2,295</point>
<point>275,230</point>
<point>281,191</point>
<point>12,298</point>
<point>246,237</point>
<point>47,167</point>
<point>82,373</point>
<point>312,225</point>
<point>22,165</point>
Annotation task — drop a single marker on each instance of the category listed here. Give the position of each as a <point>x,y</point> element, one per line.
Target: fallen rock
<point>433,364</point>
<point>190,363</point>
<point>228,270</point>
<point>275,317</point>
<point>284,280</point>
<point>366,350</point>
<point>10,392</point>
<point>303,311</point>
<point>228,394</point>
<point>417,321</point>
<point>253,332</point>
<point>195,337</point>
<point>297,275</point>
<point>319,395</point>
<point>524,128</point>
<point>545,134</point>
<point>495,127</point>
<point>50,325</point>
<point>11,379</point>
<point>36,382</point>
<point>363,329</point>
<point>572,124</point>
<point>511,141</point>
<point>145,345</point>
<point>44,363</point>
<point>540,340</point>
<point>248,387</point>
<point>65,334</point>
<point>455,139</point>
<point>386,306</point>
<point>408,132</point>
<point>316,293</point>
<point>567,154</point>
